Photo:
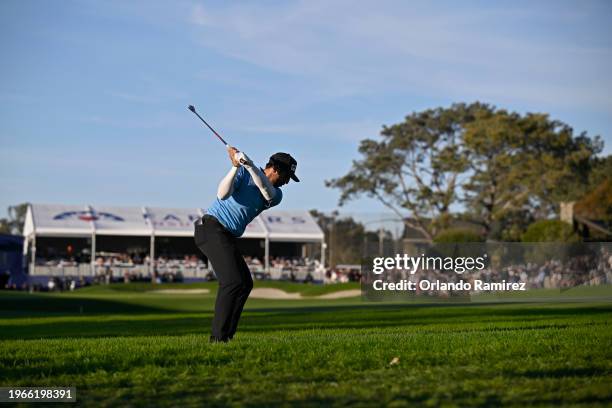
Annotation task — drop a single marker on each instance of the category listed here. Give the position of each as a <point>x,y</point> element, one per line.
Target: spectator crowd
<point>580,270</point>
<point>67,274</point>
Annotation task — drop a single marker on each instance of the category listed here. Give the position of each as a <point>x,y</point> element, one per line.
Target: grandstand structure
<point>72,238</point>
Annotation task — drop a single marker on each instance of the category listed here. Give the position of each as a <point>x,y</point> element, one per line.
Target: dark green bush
<point>550,231</point>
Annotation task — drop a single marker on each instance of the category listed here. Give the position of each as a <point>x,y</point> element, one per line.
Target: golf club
<point>192,108</point>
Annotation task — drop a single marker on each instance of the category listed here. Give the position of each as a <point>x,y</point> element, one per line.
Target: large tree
<point>414,170</point>
<point>522,166</point>
<point>492,189</point>
<point>501,165</point>
<point>599,170</point>
<point>557,160</point>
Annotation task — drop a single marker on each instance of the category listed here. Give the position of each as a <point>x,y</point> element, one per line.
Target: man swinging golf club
<point>242,195</point>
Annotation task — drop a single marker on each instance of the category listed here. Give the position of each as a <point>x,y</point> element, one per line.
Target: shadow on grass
<point>362,316</point>
<point>565,372</point>
<point>115,320</point>
<point>106,328</point>
<point>21,304</point>
<point>44,305</point>
<point>458,320</point>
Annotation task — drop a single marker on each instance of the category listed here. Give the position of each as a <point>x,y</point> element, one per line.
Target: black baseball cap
<point>285,163</point>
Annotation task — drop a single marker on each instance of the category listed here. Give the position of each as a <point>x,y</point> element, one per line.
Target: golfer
<point>242,195</point>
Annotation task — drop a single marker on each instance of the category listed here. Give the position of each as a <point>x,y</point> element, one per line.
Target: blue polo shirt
<point>245,203</point>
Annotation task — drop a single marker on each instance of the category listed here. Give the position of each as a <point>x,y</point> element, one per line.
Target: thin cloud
<point>133,97</point>
<point>376,49</point>
<point>353,131</point>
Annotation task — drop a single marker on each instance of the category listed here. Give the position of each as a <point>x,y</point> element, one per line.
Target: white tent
<point>46,220</point>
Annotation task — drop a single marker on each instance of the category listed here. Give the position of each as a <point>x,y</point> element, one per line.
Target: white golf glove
<point>243,159</point>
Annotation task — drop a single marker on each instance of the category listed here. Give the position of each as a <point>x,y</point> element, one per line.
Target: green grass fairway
<point>124,345</point>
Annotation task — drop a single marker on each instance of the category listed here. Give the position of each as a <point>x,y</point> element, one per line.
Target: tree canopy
<point>501,167</point>
<point>16,218</point>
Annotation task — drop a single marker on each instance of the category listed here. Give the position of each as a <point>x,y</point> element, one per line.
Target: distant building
<point>591,216</point>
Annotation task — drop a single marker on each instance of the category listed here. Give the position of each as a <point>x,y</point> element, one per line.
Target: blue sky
<point>93,94</point>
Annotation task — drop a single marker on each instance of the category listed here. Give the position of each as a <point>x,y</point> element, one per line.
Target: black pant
<point>235,282</point>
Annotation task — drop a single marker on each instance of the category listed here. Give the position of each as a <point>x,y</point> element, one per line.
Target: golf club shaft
<point>191,108</point>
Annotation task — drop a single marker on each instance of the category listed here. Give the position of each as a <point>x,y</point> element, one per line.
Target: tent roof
<point>52,220</point>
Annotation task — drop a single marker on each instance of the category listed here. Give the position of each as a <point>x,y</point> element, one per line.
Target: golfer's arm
<point>261,181</point>
<point>226,186</point>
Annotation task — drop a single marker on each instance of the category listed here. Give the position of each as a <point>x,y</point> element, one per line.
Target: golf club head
<point>191,108</point>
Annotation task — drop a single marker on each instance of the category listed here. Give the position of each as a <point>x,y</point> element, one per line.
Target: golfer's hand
<point>232,151</point>
<point>243,159</point>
